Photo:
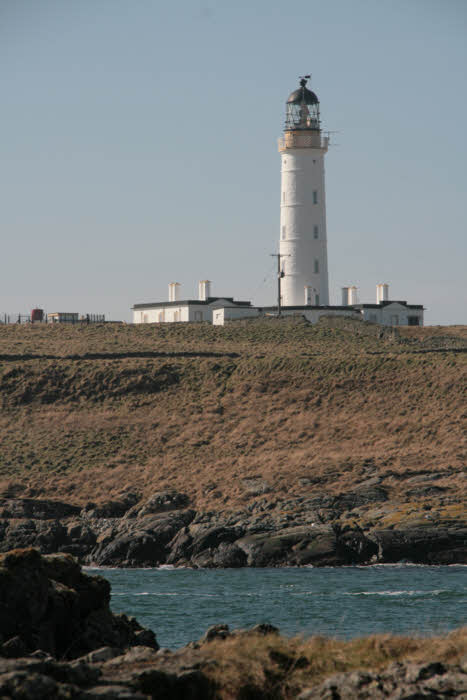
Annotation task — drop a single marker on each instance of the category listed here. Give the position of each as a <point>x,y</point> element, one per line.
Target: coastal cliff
<point>262,443</point>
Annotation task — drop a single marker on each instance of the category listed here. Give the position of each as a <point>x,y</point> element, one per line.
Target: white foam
<point>399,593</point>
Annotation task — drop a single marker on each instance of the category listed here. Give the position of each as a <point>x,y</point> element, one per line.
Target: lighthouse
<point>303,246</point>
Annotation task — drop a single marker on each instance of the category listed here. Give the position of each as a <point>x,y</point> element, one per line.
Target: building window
<point>413,321</point>
<point>373,318</point>
<point>283,232</point>
<point>315,233</point>
<point>316,266</point>
<point>315,196</point>
<point>317,299</point>
<point>198,315</point>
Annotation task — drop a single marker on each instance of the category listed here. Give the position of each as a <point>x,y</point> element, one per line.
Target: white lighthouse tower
<point>303,246</point>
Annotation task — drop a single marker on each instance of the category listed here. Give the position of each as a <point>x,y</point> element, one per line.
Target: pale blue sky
<point>139,147</point>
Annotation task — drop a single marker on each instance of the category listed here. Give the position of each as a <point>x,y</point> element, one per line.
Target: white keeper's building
<point>188,310</point>
<point>303,286</point>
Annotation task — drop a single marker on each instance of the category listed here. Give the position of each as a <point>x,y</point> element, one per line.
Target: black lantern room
<point>302,110</point>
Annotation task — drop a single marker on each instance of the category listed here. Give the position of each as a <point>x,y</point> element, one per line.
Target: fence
<point>14,318</point>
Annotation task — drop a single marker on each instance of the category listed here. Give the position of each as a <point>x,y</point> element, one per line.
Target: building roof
<point>388,303</point>
<point>307,307</point>
<point>191,302</point>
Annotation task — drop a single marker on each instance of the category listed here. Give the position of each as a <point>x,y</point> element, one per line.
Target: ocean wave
<point>399,593</point>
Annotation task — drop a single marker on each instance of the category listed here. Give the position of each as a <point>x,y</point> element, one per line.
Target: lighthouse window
<point>315,196</point>
<point>315,232</point>
<point>283,196</point>
<point>283,232</point>
<point>316,266</point>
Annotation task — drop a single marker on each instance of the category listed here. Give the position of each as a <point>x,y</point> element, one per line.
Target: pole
<point>280,275</point>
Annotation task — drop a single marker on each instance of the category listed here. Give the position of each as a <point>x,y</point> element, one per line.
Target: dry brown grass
<point>280,667</point>
<point>332,403</point>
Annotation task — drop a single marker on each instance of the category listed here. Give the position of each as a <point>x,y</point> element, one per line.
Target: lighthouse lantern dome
<point>302,109</point>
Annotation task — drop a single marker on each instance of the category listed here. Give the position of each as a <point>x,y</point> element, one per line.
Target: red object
<point>37,315</point>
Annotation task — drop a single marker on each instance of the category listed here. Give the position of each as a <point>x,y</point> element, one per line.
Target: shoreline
<point>99,654</point>
<point>165,531</point>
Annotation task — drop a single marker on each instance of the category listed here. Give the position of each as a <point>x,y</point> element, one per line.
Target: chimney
<point>204,289</point>
<point>174,291</point>
<point>352,296</point>
<point>382,293</point>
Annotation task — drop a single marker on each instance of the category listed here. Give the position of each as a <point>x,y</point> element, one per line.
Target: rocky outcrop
<point>47,603</point>
<point>194,673</point>
<point>140,542</point>
<point>355,527</point>
<point>399,680</point>
<point>422,544</point>
<point>35,508</point>
<point>108,674</point>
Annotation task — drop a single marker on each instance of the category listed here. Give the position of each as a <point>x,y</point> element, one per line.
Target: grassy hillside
<point>91,412</point>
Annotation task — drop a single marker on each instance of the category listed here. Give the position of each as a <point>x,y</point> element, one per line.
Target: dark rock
<point>51,605</point>
<point>161,502</point>
<point>399,681</point>
<point>35,508</point>
<point>134,655</point>
<point>355,547</point>
<point>255,486</point>
<point>364,495</point>
<point>13,648</point>
<point>141,542</point>
<point>111,509</point>
<point>426,491</point>
<point>229,556</point>
<point>422,545</point>
<point>102,654</point>
<point>264,628</point>
<point>293,546</point>
<point>112,692</point>
<point>205,546</point>
<point>215,632</point>
<point>30,686</point>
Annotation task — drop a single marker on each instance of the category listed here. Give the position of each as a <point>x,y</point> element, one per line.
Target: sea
<point>345,602</point>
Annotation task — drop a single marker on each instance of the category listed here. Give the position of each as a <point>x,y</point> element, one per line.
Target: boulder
<point>140,542</point>
<point>110,509</point>
<point>399,680</point>
<point>50,604</point>
<point>160,502</point>
<point>292,546</point>
<point>427,544</point>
